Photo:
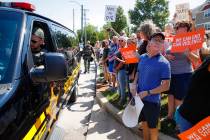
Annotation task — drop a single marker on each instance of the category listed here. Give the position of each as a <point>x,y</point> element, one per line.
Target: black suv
<point>31,96</point>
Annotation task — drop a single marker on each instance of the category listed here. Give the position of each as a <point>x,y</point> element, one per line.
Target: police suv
<point>30,95</point>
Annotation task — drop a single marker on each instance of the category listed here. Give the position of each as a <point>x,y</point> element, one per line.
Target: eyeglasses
<point>121,40</point>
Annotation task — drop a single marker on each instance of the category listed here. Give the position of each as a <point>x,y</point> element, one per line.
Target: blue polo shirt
<point>151,71</point>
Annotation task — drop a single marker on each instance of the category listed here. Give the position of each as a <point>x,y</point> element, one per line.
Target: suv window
<point>10,26</point>
<point>67,43</point>
<point>65,39</point>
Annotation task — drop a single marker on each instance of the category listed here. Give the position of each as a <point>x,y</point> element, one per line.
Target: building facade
<point>201,15</point>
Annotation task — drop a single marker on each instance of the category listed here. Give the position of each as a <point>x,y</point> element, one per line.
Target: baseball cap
<point>38,32</point>
<point>160,34</point>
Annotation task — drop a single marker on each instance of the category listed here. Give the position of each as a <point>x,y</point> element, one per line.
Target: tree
<point>121,21</point>
<point>156,10</point>
<point>92,33</point>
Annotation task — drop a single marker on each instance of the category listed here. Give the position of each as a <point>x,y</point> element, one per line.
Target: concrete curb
<point>103,102</point>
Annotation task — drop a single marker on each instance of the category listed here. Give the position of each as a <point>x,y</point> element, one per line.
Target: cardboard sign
<point>200,131</point>
<point>182,11</point>
<point>129,54</point>
<point>110,13</point>
<point>192,40</point>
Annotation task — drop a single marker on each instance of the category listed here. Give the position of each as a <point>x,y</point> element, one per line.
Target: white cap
<point>123,38</point>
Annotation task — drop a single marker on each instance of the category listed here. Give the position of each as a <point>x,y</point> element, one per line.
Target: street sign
<point>110,13</point>
<point>182,11</point>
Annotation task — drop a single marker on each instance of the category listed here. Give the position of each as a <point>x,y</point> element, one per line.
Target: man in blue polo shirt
<point>153,77</point>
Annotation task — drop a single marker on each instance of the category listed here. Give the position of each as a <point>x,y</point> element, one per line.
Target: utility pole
<point>85,27</point>
<point>82,41</point>
<point>73,19</point>
<point>85,24</point>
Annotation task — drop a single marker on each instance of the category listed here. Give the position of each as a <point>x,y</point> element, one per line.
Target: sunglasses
<point>121,40</point>
<point>33,41</point>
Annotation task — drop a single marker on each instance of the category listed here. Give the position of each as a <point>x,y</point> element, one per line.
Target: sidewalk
<point>117,114</point>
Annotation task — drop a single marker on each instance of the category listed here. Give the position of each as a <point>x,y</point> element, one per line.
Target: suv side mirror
<point>54,69</point>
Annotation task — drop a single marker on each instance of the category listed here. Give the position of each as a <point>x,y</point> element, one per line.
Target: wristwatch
<point>148,91</point>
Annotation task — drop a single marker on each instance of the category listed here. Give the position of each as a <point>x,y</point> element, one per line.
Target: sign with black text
<point>110,13</point>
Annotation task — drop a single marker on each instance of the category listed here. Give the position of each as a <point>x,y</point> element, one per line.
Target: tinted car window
<point>65,38</point>
<point>10,26</point>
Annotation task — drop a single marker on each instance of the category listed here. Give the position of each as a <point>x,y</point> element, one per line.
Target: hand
<point>133,92</point>
<point>143,94</point>
<point>170,57</point>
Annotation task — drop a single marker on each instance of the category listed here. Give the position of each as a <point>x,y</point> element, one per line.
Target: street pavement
<point>85,120</point>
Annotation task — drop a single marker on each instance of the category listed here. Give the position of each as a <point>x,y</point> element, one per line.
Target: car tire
<point>73,97</point>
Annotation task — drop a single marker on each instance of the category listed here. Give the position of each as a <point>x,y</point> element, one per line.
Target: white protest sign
<point>182,11</point>
<point>110,13</point>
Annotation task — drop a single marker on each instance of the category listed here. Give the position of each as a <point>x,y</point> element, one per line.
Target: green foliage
<point>92,33</point>
<point>121,21</point>
<point>157,10</point>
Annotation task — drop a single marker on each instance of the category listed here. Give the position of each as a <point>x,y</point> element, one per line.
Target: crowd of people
<point>184,76</point>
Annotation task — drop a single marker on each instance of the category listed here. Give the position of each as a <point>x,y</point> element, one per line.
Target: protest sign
<point>129,54</point>
<point>110,13</point>
<point>182,12</point>
<point>169,38</point>
<point>191,40</point>
<point>201,131</point>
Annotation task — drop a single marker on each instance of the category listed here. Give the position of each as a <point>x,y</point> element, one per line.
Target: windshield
<point>10,25</point>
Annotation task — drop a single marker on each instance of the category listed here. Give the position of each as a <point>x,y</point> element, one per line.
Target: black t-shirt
<point>116,62</point>
<point>196,105</point>
<point>105,55</point>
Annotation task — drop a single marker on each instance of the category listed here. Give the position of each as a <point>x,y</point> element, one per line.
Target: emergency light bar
<point>18,5</point>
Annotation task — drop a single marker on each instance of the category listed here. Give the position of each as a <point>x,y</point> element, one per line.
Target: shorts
<point>111,67</point>
<point>150,113</point>
<point>179,85</point>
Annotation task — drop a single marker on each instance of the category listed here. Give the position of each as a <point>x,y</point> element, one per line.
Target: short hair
<point>186,24</point>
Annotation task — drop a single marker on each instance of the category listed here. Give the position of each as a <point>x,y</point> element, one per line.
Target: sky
<point>62,10</point>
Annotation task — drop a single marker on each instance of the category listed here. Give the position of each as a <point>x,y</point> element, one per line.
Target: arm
<point>164,86</point>
<point>192,56</point>
<point>116,33</point>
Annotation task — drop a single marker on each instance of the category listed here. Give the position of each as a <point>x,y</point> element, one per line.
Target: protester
<point>152,78</point>
<point>119,67</point>
<point>97,50</point>
<point>147,28</point>
<point>205,50</point>
<point>111,56</point>
<point>104,61</point>
<point>196,105</point>
<point>138,37</point>
<point>181,70</point>
<point>132,67</point>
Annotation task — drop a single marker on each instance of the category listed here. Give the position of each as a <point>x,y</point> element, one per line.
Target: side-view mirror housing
<point>54,69</point>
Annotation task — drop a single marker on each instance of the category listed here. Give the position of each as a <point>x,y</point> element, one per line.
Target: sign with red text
<point>200,131</point>
<point>129,54</point>
<point>191,40</point>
